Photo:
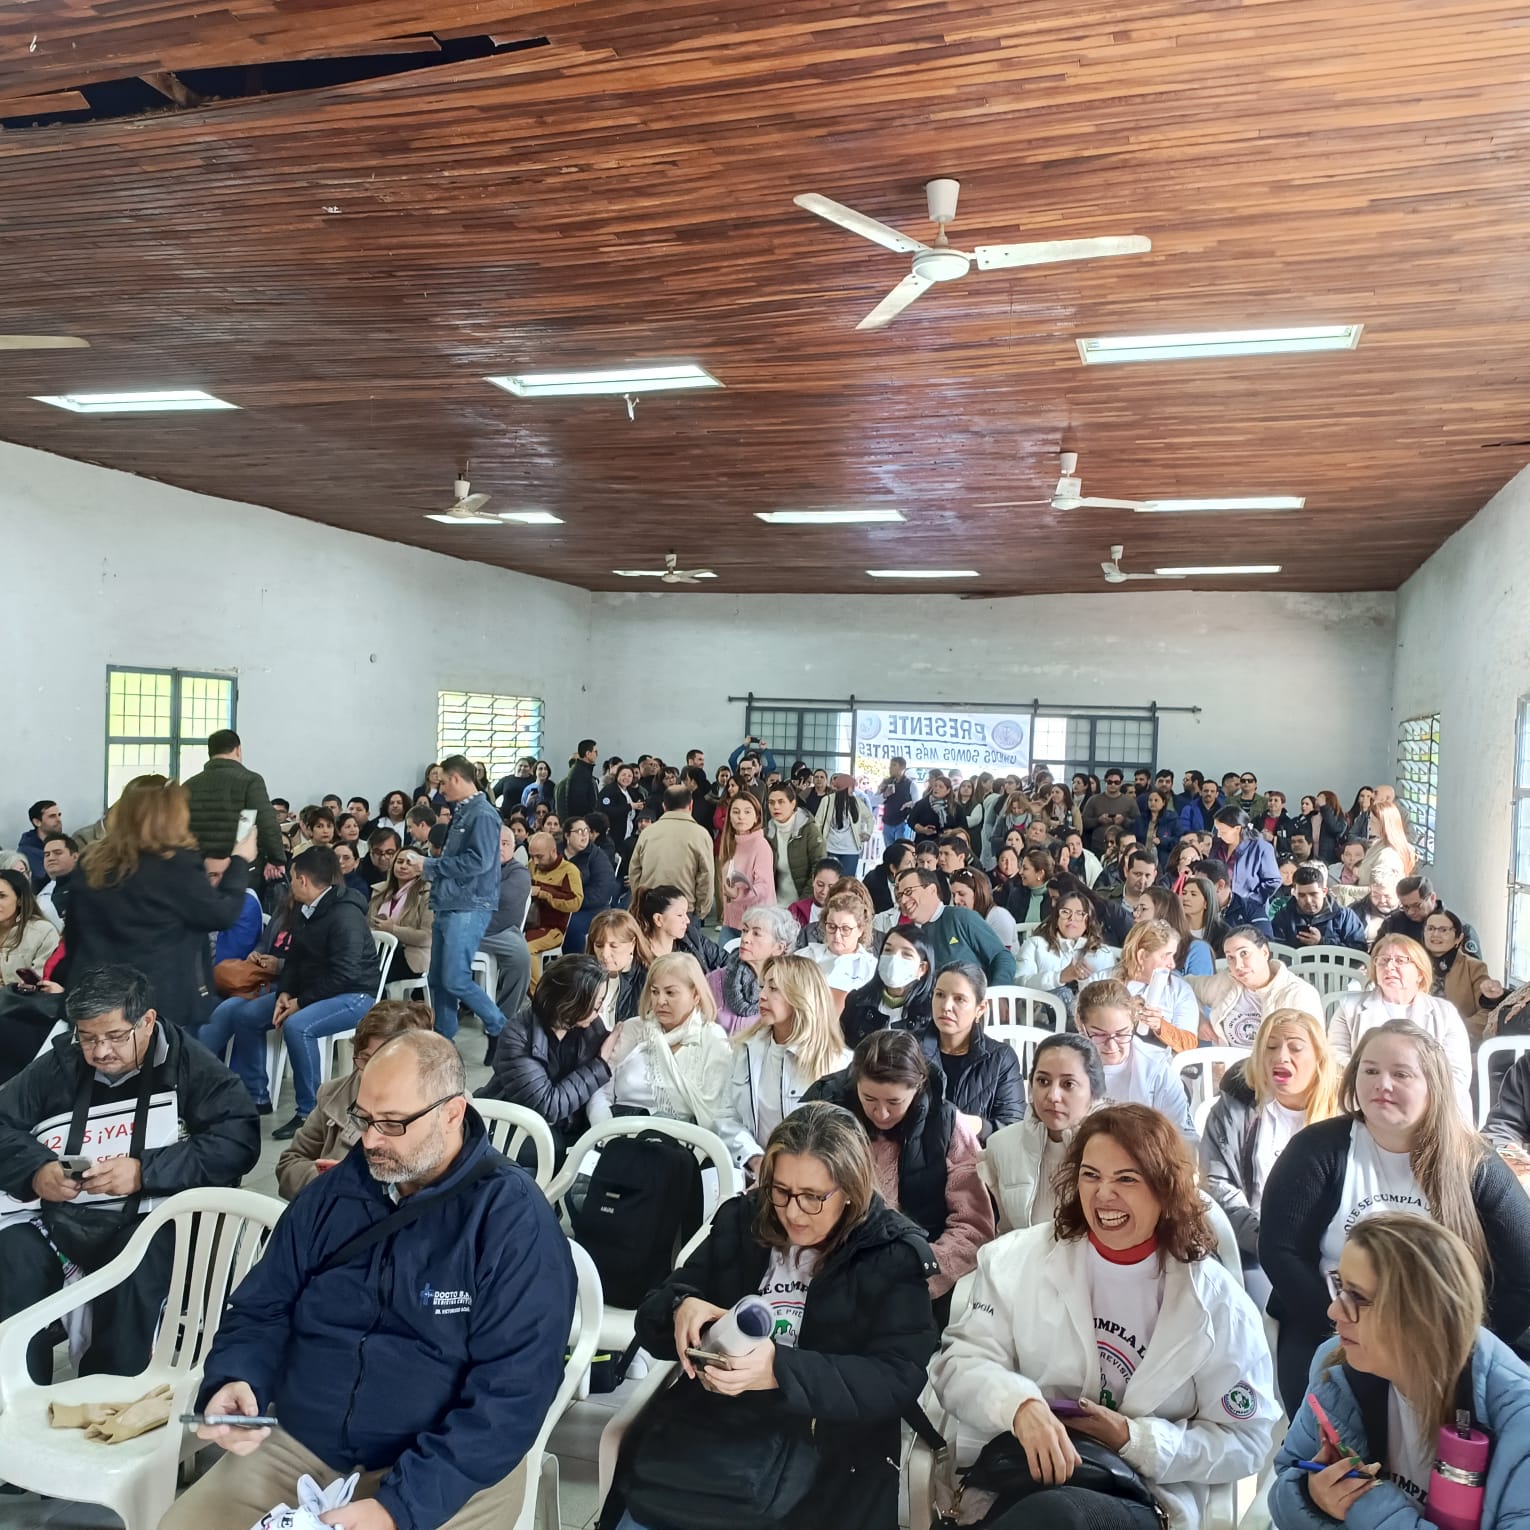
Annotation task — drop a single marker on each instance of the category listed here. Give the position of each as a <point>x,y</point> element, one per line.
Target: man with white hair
<point>408,1319</point>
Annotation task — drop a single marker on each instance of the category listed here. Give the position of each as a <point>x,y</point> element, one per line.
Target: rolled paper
<point>748,1325</point>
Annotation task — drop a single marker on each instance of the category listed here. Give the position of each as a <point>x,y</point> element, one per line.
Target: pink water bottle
<point>1460,1471</point>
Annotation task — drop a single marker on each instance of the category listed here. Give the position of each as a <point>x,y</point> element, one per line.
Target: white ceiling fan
<point>669,574</point>
<point>1114,575</point>
<point>464,510</point>
<point>939,262</point>
<point>1069,493</point>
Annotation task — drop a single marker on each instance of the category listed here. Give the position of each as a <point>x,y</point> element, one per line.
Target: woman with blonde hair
<point>1165,1004</point>
<point>1407,1304</point>
<point>1290,1079</point>
<point>1400,1142</point>
<point>400,906</point>
<point>1391,856</point>
<point>672,1058</point>
<point>617,940</point>
<point>794,1043</point>
<point>141,897</point>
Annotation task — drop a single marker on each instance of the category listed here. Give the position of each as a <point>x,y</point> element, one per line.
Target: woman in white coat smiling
<point>1119,1309</point>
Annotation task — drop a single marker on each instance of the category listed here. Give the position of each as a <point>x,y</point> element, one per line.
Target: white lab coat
<point>1365,1011</point>
<point>1201,1407</point>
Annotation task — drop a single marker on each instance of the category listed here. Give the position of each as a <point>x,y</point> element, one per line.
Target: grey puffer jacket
<point>1228,1171</point>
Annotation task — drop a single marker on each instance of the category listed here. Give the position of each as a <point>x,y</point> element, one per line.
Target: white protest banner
<point>961,744</point>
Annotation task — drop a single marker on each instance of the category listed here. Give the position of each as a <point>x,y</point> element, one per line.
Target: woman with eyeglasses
<point>1020,1162</point>
<point>1255,984</point>
<point>1407,1304</point>
<point>845,1277</point>
<point>898,997</point>
<point>1113,1324</point>
<point>1136,1072</point>
<point>1067,947</point>
<point>1401,976</point>
<point>328,1133</point>
<point>1463,981</point>
<point>795,1042</point>
<point>1400,1143</point>
<point>843,955</point>
<point>923,1154</point>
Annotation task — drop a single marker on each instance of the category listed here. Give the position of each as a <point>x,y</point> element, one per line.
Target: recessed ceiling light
<point>1215,343</point>
<point>922,573</point>
<point>134,403</point>
<point>827,517</point>
<point>1256,502</point>
<point>43,343</point>
<point>531,517</point>
<point>654,379</point>
<point>1195,570</point>
<point>446,518</point>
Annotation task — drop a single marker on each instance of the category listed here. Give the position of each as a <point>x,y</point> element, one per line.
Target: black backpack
<point>638,1208</point>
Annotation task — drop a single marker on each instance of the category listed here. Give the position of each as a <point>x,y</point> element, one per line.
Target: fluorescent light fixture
<point>922,573</point>
<point>466,520</point>
<point>1255,502</point>
<point>1196,570</point>
<point>655,379</point>
<point>134,403</point>
<point>827,517</point>
<point>1215,343</point>
<point>43,343</point>
<point>530,517</point>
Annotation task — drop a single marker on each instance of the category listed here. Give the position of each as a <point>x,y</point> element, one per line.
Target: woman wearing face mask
<point>1118,1308</point>
<point>1254,985</point>
<point>769,931</point>
<point>982,1075</point>
<point>1462,981</point>
<point>795,1042</point>
<point>1020,1163</point>
<point>924,1156</point>
<point>664,917</point>
<point>1289,1081</point>
<point>1136,1072</point>
<point>899,996</point>
<point>1401,975</point>
<point>844,954</point>
<point>845,1276</point>
<point>672,1059</point>
<point>1407,1304</point>
<point>1066,949</point>
<point>1400,1144</point>
<point>1166,1008</point>
<point>617,943</point>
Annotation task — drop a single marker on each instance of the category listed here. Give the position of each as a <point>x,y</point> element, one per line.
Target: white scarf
<point>676,1067</point>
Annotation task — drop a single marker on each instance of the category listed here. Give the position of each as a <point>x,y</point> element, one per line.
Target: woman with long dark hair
<point>845,822</point>
<point>899,996</point>
<point>27,939</point>
<point>1249,858</point>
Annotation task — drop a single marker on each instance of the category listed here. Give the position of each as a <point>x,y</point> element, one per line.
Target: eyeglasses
<point>391,1128</point>
<point>1103,1039</point>
<point>1351,1302</point>
<point>809,1201</point>
<point>112,1039</point>
<point>843,929</point>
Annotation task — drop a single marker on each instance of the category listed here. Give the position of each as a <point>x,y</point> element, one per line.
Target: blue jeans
<point>454,941</point>
<point>849,864</point>
<point>897,831</point>
<point>246,1021</point>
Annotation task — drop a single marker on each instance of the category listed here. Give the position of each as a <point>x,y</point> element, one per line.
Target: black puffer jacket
<point>332,950</point>
<point>989,1087</point>
<point>867,1335</point>
<point>525,1073</point>
<point>861,1016</point>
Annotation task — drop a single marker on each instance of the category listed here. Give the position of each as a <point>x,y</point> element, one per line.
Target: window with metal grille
<point>821,738</point>
<point>1065,743</point>
<point>158,722</point>
<point>497,730</point>
<point>1418,779</point>
<point>1519,850</point>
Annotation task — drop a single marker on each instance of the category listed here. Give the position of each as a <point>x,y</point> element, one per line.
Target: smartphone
<point>705,1357</point>
<point>246,824</point>
<point>1065,1407</point>
<point>231,1420</point>
<point>28,977</point>
<point>75,1165</point>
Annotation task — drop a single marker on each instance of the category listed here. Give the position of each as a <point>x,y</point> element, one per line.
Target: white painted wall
<point>1463,650</point>
<point>1294,687</point>
<point>103,568</point>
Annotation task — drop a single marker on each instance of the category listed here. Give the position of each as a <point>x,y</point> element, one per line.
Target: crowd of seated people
<point>835,1035</point>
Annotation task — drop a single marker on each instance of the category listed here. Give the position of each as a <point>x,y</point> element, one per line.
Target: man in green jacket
<point>223,789</point>
<point>957,934</point>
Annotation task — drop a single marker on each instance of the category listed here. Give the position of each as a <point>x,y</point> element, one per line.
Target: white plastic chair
<point>1333,1001</point>
<point>485,972</point>
<point>1023,1038</point>
<point>1033,1007</point>
<point>1332,969</point>
<point>1204,1086</point>
<point>1287,954</point>
<point>1229,1255</point>
<point>730,946</point>
<point>510,1126</point>
<point>1512,1047</point>
<point>219,1234</point>
<point>616,1323</point>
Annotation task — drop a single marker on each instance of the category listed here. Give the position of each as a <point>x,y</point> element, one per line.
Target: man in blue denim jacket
<point>464,892</point>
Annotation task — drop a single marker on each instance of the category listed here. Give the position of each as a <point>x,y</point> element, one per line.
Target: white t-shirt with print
<point>1241,1023</point>
<point>1125,1299</point>
<point>1277,1126</point>
<point>1374,1180</point>
<point>785,1287</point>
<point>1409,1458</point>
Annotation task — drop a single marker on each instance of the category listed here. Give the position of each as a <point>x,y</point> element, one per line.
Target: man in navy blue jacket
<point>427,1358</point>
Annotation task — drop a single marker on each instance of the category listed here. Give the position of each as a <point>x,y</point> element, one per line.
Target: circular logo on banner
<point>1007,734</point>
<point>868,725</point>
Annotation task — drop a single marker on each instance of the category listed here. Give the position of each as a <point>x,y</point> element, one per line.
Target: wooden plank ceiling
<point>347,265</point>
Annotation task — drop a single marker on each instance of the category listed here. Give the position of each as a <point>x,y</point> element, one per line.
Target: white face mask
<point>898,969</point>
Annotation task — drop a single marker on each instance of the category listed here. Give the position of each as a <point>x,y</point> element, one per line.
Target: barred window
<point>498,730</point>
<point>1418,779</point>
<point>158,722</point>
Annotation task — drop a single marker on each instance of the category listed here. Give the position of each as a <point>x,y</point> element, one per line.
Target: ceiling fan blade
<point>1108,504</point>
<point>857,223</point>
<point>996,257</point>
<point>471,503</point>
<point>895,301</point>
